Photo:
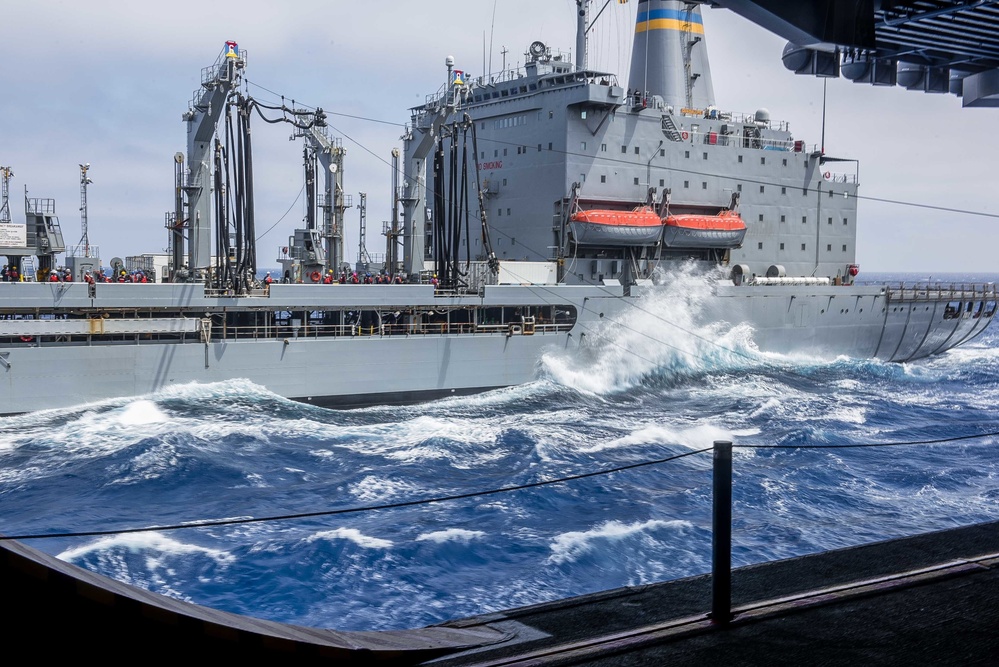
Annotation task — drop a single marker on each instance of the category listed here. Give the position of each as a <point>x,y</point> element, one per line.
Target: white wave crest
<point>672,329</point>
<point>152,542</point>
<point>696,437</point>
<point>351,535</point>
<point>568,547</point>
<point>450,535</point>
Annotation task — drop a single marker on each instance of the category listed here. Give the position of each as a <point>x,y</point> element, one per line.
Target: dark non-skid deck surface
<point>926,600</point>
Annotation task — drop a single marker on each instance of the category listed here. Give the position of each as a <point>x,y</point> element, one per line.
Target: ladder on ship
<point>28,269</point>
<point>670,129</point>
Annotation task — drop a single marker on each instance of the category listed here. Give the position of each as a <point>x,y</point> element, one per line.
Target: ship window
<point>830,193</point>
<point>636,150</point>
<point>603,148</point>
<point>499,212</point>
<point>686,184</point>
<point>582,179</point>
<point>518,150</point>
<point>802,246</point>
<point>704,185</point>
<point>551,114</point>
<point>830,221</point>
<point>705,156</point>
<point>508,210</point>
<point>686,154</point>
<point>783,218</point>
<point>504,181</point>
<point>539,148</point>
<point>504,152</point>
<point>762,188</point>
<point>624,149</point>
<point>662,152</point>
<point>844,247</point>
<point>582,145</point>
<point>482,126</point>
<point>603,178</point>
<point>636,180</point>
<point>759,246</point>
<point>785,162</point>
<point>740,159</point>
<point>582,114</point>
<point>783,191</point>
<point>662,182</point>
<point>804,219</point>
<point>829,247</point>
<point>549,145</point>
<point>761,217</point>
<point>781,246</point>
<point>482,155</point>
<point>738,187</point>
<point>763,160</point>
<point>845,221</point>
<point>496,153</point>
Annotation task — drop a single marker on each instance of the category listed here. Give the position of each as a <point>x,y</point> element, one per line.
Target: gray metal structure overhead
<point>936,46</point>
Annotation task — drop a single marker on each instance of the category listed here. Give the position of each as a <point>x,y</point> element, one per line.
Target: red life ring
<point>827,175</point>
<point>315,276</point>
<point>27,339</point>
<point>684,136</point>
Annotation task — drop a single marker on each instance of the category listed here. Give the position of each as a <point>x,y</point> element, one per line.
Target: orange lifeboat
<point>693,230</point>
<point>605,227</point>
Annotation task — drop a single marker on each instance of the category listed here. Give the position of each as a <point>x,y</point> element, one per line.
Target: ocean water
<point>660,387</point>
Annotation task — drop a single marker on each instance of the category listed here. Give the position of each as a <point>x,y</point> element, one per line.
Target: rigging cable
<point>477,494</point>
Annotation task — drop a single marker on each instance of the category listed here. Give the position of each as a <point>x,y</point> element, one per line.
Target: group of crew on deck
<point>61,274</point>
<point>345,278</point>
<point>10,274</point>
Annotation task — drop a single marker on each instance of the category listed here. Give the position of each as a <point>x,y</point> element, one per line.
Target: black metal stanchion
<point>721,534</point>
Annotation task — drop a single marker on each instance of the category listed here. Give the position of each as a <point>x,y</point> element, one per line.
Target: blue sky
<point>106,82</point>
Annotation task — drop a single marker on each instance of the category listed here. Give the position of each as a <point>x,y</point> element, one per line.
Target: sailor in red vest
<point>87,278</point>
<point>267,279</point>
<point>53,276</point>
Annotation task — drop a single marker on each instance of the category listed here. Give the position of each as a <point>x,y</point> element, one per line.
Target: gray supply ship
<point>537,207</point>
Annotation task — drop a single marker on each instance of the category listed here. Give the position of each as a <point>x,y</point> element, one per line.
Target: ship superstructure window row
<point>510,121</point>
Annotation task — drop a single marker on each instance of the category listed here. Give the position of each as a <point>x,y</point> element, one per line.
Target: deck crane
<point>442,119</point>
<point>329,152</point>
<point>207,105</point>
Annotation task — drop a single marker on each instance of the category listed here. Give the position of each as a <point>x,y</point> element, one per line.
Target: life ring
<point>315,276</point>
<point>27,339</point>
<point>827,175</point>
<point>684,136</point>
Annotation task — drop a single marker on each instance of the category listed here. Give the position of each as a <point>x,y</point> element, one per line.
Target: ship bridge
<point>933,46</point>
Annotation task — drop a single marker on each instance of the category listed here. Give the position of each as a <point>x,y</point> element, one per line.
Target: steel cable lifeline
<point>473,494</point>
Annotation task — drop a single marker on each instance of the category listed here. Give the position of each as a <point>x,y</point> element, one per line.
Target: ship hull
<point>378,368</point>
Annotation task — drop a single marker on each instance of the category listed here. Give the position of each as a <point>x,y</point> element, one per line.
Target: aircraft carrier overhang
<point>933,46</point>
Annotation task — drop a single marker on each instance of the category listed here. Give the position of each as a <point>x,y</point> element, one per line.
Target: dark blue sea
<point>655,390</point>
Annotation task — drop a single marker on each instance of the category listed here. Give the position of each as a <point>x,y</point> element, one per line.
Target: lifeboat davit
<point>639,227</point>
<point>693,230</point>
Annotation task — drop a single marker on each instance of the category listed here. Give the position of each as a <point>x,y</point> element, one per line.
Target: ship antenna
<point>492,30</point>
<point>822,147</point>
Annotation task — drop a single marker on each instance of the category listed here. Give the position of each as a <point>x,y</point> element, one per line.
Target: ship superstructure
<point>555,138</point>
